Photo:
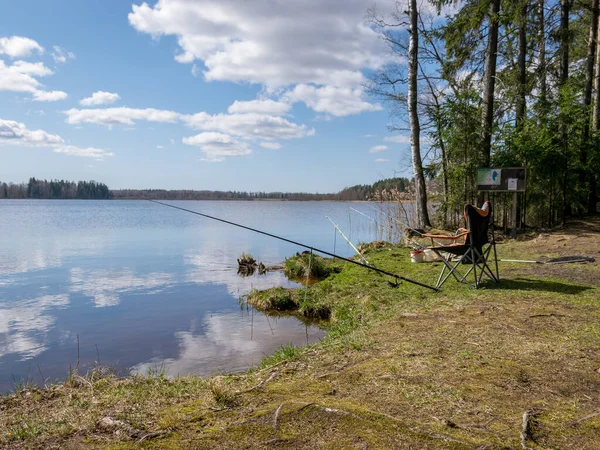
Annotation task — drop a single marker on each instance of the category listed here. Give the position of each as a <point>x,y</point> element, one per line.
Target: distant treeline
<point>184,194</point>
<point>368,191</point>
<point>61,189</point>
<point>358,192</point>
<point>56,189</point>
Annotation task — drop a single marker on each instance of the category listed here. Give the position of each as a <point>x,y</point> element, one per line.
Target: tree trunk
<point>490,82</point>
<point>584,173</point>
<point>415,129</point>
<point>596,90</point>
<point>565,6</point>
<point>542,60</point>
<point>593,185</point>
<point>520,111</point>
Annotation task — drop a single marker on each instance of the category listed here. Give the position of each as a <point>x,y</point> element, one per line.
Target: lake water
<point>145,286</point>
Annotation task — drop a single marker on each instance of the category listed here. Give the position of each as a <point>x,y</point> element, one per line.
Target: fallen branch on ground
<point>259,385</point>
<point>344,367</point>
<point>583,419</point>
<point>549,315</point>
<point>277,415</point>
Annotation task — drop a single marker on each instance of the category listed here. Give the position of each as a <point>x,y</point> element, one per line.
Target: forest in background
<point>55,189</point>
<point>496,83</point>
<point>61,189</point>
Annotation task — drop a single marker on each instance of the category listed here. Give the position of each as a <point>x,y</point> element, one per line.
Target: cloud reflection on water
<point>24,325</point>
<point>41,253</point>
<point>230,342</point>
<point>106,286</point>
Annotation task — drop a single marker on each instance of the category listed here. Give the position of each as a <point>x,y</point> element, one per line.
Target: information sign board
<point>511,179</point>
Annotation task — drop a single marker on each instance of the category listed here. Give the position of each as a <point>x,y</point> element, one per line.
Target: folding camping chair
<point>469,245</point>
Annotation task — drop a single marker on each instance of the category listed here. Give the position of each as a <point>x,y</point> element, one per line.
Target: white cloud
<point>267,107</point>
<point>90,152</point>
<point>12,132</point>
<point>270,145</point>
<point>35,69</point>
<point>378,148</point>
<point>120,115</point>
<point>100,98</point>
<point>220,128</point>
<point>49,96</point>
<point>160,147</point>
<point>266,42</point>
<point>249,126</point>
<point>16,133</point>
<point>60,55</point>
<point>337,101</point>
<point>217,146</point>
<point>380,160</point>
<point>21,77</point>
<point>18,46</point>
<point>399,139</point>
<point>314,47</point>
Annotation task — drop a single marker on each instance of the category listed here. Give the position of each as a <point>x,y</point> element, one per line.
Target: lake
<point>146,287</point>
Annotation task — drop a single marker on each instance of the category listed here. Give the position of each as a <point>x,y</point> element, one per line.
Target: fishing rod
<point>388,215</point>
<point>390,227</point>
<point>415,245</point>
<point>348,241</point>
<point>333,255</point>
<point>363,214</point>
<point>560,260</point>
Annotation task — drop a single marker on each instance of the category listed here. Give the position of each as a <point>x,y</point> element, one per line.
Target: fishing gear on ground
<point>559,260</point>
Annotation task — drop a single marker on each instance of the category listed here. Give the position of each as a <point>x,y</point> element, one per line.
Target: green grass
<point>309,265</point>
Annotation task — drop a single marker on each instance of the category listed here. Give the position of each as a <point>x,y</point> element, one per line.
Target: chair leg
<point>484,267</point>
<point>451,270</point>
<point>496,260</point>
<point>441,273</point>
<point>474,262</point>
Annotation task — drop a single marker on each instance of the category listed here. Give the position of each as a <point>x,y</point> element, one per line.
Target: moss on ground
<point>400,368</point>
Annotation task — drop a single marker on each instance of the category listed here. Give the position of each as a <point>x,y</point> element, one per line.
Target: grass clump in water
<point>305,303</point>
<point>246,259</point>
<point>305,265</point>
<point>276,299</point>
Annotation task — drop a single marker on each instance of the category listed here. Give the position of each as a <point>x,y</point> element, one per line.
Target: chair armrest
<point>445,236</point>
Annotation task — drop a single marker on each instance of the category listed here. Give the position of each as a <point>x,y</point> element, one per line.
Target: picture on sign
<point>489,177</point>
<point>505,179</point>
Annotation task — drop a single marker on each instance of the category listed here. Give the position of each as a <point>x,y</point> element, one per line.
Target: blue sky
<point>209,94</point>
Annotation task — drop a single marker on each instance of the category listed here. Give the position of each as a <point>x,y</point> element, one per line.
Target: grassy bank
<point>401,368</point>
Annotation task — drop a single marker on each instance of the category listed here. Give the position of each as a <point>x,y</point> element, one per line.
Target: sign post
<point>506,179</point>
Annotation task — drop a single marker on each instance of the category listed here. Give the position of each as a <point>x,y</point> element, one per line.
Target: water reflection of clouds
<point>107,286</point>
<point>24,325</point>
<point>215,266</point>
<point>44,253</point>
<point>230,342</point>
